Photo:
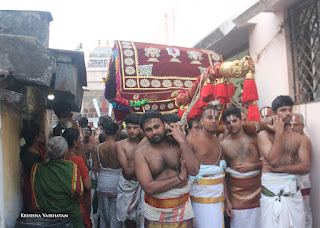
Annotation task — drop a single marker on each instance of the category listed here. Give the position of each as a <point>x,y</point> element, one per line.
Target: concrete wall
<point>10,163</point>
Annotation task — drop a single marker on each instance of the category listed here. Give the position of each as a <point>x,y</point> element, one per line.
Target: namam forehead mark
<point>295,120</point>
<point>213,112</point>
<point>265,111</point>
<point>230,118</point>
<point>151,122</point>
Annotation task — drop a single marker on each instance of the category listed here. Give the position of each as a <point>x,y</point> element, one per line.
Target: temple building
<point>97,68</point>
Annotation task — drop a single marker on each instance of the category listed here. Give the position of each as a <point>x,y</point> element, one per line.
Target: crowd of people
<point>157,174</point>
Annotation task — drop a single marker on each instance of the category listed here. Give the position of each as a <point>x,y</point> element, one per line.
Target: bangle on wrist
<point>180,179</point>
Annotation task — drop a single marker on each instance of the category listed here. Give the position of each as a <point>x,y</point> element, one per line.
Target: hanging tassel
<point>202,103</point>
<point>207,91</point>
<point>230,89</point>
<point>220,89</point>
<point>253,112</point>
<point>250,92</point>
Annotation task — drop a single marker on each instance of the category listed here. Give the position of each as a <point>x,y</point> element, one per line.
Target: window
<point>304,24</point>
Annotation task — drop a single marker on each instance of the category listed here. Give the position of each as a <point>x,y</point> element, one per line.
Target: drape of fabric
<point>28,159</point>
<point>305,188</point>
<point>169,209</point>
<point>56,186</point>
<point>130,201</point>
<point>245,189</point>
<point>108,181</point>
<point>86,199</point>
<point>245,193</point>
<point>281,201</point>
<point>207,196</point>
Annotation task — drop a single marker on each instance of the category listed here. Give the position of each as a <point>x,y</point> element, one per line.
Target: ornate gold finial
<point>250,75</point>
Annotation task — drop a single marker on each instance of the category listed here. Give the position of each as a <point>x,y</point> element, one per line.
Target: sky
<point>86,22</point>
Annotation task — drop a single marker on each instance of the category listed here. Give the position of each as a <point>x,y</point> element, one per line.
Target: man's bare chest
<point>159,161</point>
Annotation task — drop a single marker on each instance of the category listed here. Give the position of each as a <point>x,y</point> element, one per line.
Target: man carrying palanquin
<point>162,167</point>
<point>285,154</point>
<point>297,125</point>
<point>208,188</point>
<point>244,172</point>
<point>131,196</point>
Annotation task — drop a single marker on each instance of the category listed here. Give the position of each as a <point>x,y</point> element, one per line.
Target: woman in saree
<point>56,183</point>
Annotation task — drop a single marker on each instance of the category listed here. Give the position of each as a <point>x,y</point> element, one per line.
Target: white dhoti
<point>130,201</point>
<point>207,196</point>
<point>169,209</point>
<point>305,188</point>
<point>108,182</point>
<point>281,201</point>
<point>245,192</point>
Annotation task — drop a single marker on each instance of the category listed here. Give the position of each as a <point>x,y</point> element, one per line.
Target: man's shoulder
<point>192,136</point>
<point>264,133</point>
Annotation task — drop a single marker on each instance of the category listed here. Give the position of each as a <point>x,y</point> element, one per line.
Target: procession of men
<point>162,175</point>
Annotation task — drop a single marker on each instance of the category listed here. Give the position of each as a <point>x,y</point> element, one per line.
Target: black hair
<point>71,135</point>
<point>104,119</point>
<point>86,126</point>
<point>111,128</point>
<point>132,118</point>
<point>102,137</point>
<point>233,110</point>
<point>280,101</point>
<point>29,133</point>
<point>83,121</point>
<point>171,118</point>
<point>150,115</point>
<point>61,107</point>
<point>190,122</point>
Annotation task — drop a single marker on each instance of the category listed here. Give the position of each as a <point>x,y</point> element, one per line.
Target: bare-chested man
<point>88,148</point>
<point>105,161</point>
<point>130,196</point>
<point>284,153</point>
<point>207,192</point>
<point>297,125</point>
<point>162,167</point>
<point>244,176</point>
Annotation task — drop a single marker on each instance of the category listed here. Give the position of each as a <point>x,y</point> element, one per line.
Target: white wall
<point>312,129</point>
<point>273,71</point>
<point>271,65</point>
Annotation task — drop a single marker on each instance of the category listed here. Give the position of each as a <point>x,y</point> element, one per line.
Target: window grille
<point>305,29</point>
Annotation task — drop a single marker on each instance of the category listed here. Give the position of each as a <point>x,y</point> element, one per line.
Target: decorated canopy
<point>165,78</point>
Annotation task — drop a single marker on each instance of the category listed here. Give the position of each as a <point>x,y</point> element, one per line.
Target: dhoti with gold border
<point>207,198</point>
<point>281,201</point>
<point>245,193</point>
<point>305,188</point>
<point>169,209</point>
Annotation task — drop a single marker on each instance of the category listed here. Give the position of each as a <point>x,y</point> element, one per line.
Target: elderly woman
<point>56,183</point>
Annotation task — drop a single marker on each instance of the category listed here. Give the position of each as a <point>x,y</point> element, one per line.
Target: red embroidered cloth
<point>151,71</point>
